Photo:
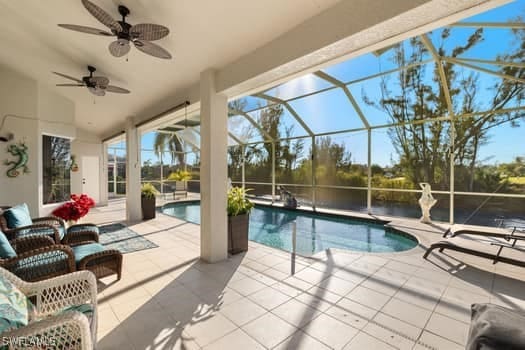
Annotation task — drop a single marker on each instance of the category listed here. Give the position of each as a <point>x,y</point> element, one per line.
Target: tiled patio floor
<point>168,299</point>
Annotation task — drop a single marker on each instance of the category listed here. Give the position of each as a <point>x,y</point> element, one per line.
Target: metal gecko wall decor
<point>17,150</point>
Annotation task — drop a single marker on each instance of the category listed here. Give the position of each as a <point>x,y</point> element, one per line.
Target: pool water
<point>315,232</point>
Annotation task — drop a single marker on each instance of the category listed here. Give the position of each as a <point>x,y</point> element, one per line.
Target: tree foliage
<point>418,93</point>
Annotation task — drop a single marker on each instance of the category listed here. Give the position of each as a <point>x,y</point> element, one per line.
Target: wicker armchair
<point>53,227</point>
<point>48,225</point>
<point>50,322</point>
<point>38,258</point>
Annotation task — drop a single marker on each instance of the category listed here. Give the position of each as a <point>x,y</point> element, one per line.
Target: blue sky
<point>331,110</point>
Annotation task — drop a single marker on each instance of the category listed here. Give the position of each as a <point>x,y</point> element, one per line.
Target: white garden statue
<point>426,202</point>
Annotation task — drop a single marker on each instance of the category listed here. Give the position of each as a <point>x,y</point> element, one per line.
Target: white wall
<point>19,96</point>
<point>30,111</point>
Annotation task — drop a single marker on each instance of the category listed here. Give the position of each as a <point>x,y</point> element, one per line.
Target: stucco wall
<point>31,110</point>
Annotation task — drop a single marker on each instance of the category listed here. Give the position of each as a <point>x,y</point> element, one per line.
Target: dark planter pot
<point>238,233</point>
<point>148,208</point>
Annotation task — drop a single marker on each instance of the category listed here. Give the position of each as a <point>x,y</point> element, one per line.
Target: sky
<point>332,111</point>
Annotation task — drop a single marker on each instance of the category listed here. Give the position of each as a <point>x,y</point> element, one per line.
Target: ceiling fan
<point>140,35</point>
<point>96,85</point>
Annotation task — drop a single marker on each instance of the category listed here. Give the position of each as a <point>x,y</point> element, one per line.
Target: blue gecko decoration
<point>19,151</point>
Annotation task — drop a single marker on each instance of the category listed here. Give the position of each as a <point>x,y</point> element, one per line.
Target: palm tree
<point>172,143</point>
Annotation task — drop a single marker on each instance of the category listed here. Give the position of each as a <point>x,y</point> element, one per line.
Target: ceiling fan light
<point>119,47</point>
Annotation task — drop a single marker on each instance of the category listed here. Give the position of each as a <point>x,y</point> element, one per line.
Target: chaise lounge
<point>495,257</point>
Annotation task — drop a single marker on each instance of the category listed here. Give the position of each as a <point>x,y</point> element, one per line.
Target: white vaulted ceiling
<point>204,33</point>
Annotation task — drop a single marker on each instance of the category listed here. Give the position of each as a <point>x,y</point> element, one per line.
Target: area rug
<point>120,237</point>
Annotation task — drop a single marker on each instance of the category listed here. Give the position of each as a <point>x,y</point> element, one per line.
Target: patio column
<point>133,204</point>
<point>214,171</point>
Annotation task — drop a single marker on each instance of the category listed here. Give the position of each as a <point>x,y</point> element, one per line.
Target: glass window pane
<point>191,138</point>
<point>489,211</point>
<point>243,130</point>
<point>487,159</point>
<point>278,122</point>
<point>56,159</point>
<point>258,163</point>
<point>503,13</point>
<point>379,61</point>
<point>327,111</point>
<point>402,96</point>
<point>235,158</point>
<point>479,43</point>
<point>342,160</point>
<point>293,161</point>
<point>121,188</point>
<point>147,141</point>
<point>193,164</point>
<point>339,198</point>
<point>298,87</point>
<point>404,156</point>
<point>250,103</point>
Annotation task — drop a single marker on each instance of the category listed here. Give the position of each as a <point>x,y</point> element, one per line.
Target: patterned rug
<point>120,237</point>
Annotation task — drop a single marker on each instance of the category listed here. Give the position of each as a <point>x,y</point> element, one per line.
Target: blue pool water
<point>315,232</point>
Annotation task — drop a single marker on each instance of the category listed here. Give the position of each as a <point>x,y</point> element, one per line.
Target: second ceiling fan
<point>140,35</point>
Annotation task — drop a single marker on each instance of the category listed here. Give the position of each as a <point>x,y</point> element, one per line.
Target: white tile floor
<point>169,299</point>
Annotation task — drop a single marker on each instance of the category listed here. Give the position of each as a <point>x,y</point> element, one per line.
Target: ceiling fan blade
<point>68,77</point>
<point>100,82</point>
<point>70,84</point>
<point>116,89</point>
<point>102,16</point>
<point>148,31</point>
<point>97,91</point>
<point>151,49</point>
<point>119,48</point>
<point>84,29</point>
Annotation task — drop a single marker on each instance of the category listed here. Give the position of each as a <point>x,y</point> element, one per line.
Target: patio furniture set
<point>45,301</point>
<point>35,249</point>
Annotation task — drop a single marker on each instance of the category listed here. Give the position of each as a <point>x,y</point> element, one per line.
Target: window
<point>56,161</point>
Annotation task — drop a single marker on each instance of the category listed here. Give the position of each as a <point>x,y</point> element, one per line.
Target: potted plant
<point>75,209</point>
<point>148,193</point>
<point>238,209</point>
<point>181,178</point>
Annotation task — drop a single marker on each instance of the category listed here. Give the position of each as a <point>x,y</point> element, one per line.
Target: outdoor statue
<point>426,202</point>
<point>19,151</point>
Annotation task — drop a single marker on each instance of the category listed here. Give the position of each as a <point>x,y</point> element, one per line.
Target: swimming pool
<point>272,226</point>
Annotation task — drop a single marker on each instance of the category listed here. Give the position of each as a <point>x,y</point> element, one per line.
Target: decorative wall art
<point>20,164</point>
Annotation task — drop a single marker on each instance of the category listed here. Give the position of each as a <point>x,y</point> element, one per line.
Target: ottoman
<point>96,258</point>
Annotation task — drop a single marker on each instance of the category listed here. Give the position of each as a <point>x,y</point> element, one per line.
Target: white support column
<point>214,171</point>
<point>133,203</point>
<point>369,174</point>
<point>452,162</point>
<point>243,167</point>
<point>162,174</point>
<point>273,172</point>
<point>314,166</point>
<point>103,200</point>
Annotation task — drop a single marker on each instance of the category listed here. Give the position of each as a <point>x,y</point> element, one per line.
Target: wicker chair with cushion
<point>63,314</point>
<point>16,222</point>
<point>36,258</point>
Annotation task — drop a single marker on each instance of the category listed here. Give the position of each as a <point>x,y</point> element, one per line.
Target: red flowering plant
<point>76,208</point>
